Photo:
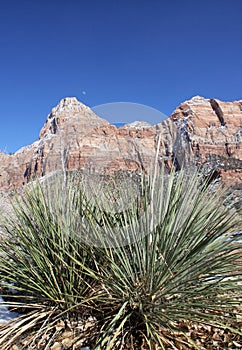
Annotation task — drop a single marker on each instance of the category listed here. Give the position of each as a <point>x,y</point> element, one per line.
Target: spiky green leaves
<point>167,258</point>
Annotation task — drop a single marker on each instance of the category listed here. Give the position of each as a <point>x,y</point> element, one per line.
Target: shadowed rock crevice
<point>217,109</point>
<point>228,151</point>
<point>54,126</point>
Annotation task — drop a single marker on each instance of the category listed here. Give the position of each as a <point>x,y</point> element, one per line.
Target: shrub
<point>142,274</point>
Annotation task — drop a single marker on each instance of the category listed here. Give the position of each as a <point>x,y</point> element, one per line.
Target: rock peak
<point>197,100</point>
<point>68,104</point>
<point>69,100</point>
<point>67,109</point>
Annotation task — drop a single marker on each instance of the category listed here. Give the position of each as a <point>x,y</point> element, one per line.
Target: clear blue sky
<point>154,52</point>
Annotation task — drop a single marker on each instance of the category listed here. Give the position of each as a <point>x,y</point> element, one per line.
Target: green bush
<point>169,257</point>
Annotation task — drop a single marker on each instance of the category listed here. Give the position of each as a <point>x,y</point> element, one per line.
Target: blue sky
<point>154,52</point>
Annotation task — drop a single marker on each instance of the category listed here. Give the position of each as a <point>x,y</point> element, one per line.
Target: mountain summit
<point>68,110</point>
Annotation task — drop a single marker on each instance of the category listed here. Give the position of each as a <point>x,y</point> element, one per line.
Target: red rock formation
<point>215,132</point>
<point>200,130</point>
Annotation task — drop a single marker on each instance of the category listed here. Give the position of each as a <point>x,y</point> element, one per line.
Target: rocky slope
<point>202,131</point>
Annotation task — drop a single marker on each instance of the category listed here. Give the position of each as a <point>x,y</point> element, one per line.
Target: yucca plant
<point>181,265</point>
<point>143,272</point>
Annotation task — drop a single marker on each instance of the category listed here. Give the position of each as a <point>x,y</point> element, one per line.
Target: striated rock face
<point>202,131</point>
<point>214,131</point>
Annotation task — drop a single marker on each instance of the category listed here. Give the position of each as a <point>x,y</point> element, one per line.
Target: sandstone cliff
<point>214,131</point>
<point>202,131</point>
